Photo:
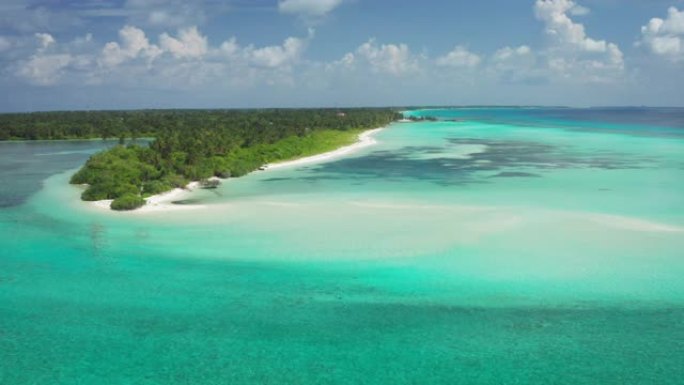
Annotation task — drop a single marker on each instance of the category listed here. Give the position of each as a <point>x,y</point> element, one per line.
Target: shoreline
<point>158,202</point>
<point>365,139</point>
<point>164,201</point>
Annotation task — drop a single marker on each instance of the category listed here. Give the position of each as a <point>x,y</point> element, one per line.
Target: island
<point>186,146</point>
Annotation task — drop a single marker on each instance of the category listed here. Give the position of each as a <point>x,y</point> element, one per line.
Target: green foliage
<point>177,181</point>
<point>247,127</point>
<point>127,202</point>
<point>116,172</point>
<point>154,187</point>
<point>196,145</point>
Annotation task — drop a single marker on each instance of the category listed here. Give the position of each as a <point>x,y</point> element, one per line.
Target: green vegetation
<point>127,202</point>
<point>148,123</point>
<point>190,145</point>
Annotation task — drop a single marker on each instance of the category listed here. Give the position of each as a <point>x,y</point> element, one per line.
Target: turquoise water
<point>509,246</point>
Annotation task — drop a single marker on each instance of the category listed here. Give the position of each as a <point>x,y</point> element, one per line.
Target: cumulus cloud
<point>229,47</point>
<point>248,65</point>
<point>44,69</point>
<point>573,54</point>
<point>279,55</point>
<point>347,60</point>
<point>517,65</point>
<point>308,8</point>
<point>189,44</point>
<point>508,53</point>
<point>45,64</point>
<point>45,40</point>
<point>388,58</point>
<point>332,68</point>
<point>554,13</point>
<point>187,59</point>
<point>134,44</point>
<point>184,57</point>
<point>665,37</point>
<point>579,10</point>
<point>459,57</point>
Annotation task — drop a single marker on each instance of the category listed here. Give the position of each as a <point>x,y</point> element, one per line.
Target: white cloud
<point>308,8</point>
<point>517,65</point>
<point>47,63</point>
<point>45,40</point>
<point>579,10</point>
<point>573,54</point>
<point>459,57</point>
<point>665,37</point>
<point>274,57</point>
<point>185,58</point>
<point>388,58</point>
<point>229,47</point>
<point>561,28</point>
<point>86,39</point>
<point>508,53</point>
<point>44,69</point>
<point>346,63</point>
<point>134,44</point>
<point>188,60</point>
<point>347,60</point>
<point>189,44</point>
<point>277,55</point>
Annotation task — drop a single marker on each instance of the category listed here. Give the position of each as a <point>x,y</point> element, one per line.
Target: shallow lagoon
<point>510,246</point>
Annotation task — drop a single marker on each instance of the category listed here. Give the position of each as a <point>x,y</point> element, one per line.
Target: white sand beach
<point>159,202</point>
<point>366,139</point>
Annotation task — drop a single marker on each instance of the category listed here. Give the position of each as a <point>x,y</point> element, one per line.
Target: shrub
<point>127,202</point>
<point>156,187</point>
<point>94,193</point>
<point>176,180</point>
<point>120,190</point>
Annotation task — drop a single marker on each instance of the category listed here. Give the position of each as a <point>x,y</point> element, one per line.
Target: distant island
<point>189,145</point>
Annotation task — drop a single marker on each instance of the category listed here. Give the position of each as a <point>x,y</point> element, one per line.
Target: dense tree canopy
<point>254,125</point>
<point>189,145</point>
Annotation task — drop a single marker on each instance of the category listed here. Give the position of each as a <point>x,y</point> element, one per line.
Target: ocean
<point>493,246</point>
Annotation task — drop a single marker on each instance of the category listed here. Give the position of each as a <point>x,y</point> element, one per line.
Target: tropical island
<point>189,145</point>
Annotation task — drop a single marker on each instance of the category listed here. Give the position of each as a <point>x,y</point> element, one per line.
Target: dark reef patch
<point>507,159</point>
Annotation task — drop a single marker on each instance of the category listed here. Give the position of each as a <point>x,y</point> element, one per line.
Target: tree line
<point>257,125</point>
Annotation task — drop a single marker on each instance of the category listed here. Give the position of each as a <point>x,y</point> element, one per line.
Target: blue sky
<point>87,54</point>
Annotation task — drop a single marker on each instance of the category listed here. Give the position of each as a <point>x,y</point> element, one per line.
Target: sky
<point>133,54</point>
